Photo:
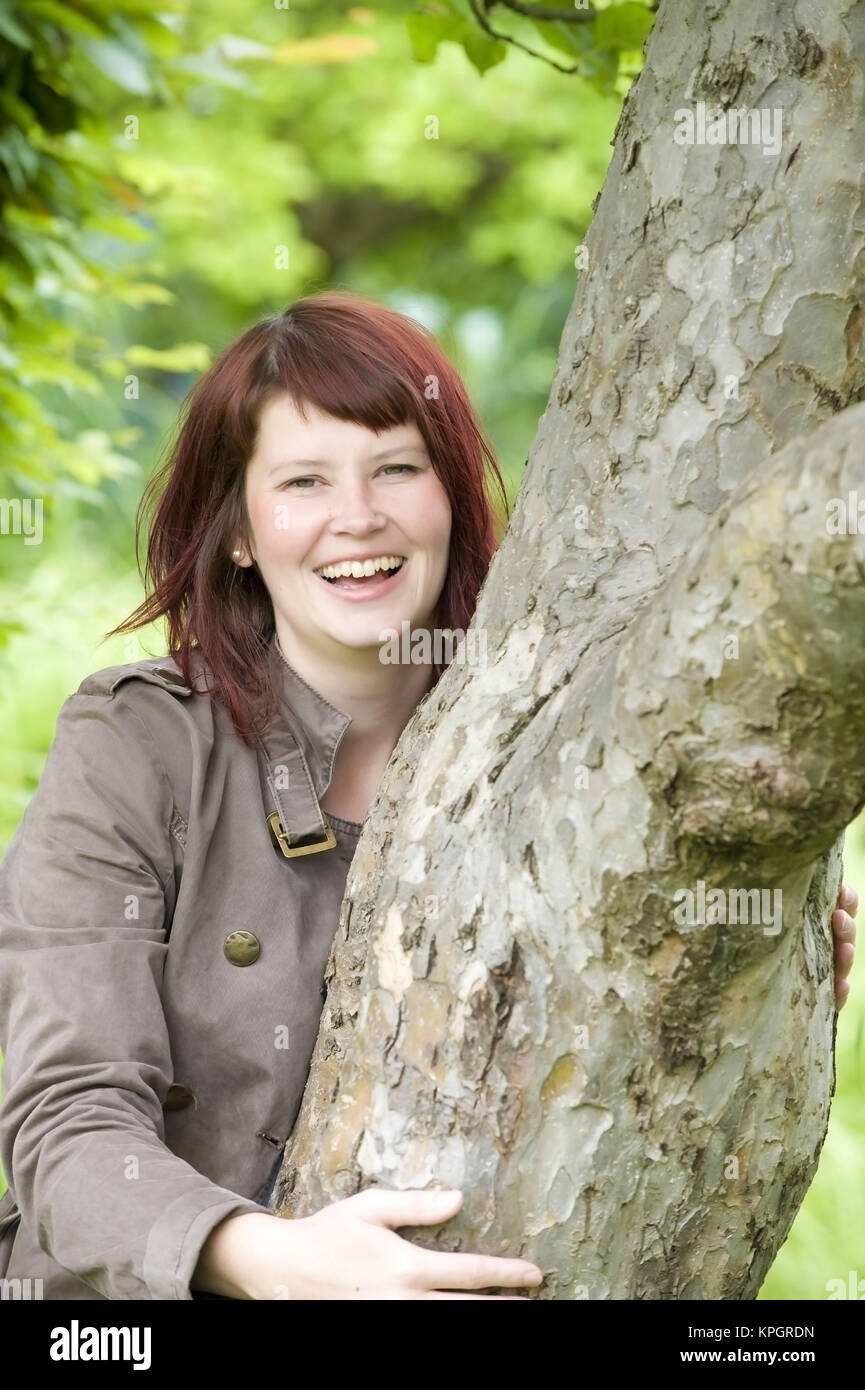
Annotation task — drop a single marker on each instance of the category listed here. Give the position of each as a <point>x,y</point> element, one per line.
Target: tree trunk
<point>521,1003</point>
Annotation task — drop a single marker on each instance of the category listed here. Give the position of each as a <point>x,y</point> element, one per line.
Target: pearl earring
<point>237,554</point>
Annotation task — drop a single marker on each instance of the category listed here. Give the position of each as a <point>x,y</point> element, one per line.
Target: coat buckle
<point>280,838</point>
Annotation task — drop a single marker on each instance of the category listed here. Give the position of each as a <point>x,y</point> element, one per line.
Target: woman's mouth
<point>369,587</point>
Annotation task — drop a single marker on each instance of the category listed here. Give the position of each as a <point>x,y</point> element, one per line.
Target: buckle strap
<point>279,837</point>
<point>298,824</point>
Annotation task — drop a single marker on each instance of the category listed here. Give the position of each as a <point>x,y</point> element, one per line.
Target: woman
<point>169,900</point>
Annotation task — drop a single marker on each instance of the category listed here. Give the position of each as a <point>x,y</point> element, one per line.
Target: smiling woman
<point>335,431</point>
<point>349,551</point>
<point>169,900</point>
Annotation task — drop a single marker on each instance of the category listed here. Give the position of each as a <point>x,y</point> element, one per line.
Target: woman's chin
<point>381,633</point>
<point>357,637</point>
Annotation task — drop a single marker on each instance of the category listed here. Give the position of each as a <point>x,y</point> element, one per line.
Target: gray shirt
<point>162,955</point>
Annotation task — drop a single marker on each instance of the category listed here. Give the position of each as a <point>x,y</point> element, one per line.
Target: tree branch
<point>546,12</point>
<point>759,632</point>
<point>517,43</point>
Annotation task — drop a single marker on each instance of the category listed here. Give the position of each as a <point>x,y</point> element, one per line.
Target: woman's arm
<point>350,1251</point>
<point>87,1057</point>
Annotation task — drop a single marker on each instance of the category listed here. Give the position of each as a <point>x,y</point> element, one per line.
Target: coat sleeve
<point>85,888</point>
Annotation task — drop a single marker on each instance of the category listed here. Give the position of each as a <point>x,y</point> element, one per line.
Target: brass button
<point>178,1097</point>
<point>241,947</point>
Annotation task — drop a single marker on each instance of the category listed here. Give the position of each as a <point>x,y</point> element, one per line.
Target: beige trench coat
<point>161,975</point>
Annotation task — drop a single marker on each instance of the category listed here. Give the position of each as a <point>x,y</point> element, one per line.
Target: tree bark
<point>516,1006</point>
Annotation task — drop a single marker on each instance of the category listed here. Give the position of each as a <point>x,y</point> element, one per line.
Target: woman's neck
<point>379,698</point>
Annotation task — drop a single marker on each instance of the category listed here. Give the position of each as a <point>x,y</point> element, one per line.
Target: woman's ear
<point>240,556</point>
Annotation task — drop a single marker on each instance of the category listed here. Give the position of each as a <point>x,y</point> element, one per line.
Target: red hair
<point>353,359</point>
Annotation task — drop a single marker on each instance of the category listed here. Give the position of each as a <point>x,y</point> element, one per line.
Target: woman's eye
<point>295,482</point>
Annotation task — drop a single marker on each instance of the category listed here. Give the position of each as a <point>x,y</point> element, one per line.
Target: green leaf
<point>159,36</point>
<point>483,51</point>
<point>136,8</point>
<point>622,27</point>
<point>119,65</point>
<point>458,7</point>
<point>43,367</point>
<point>183,357</point>
<point>17,109</point>
<point>597,66</point>
<point>427,31</point>
<point>11,30</point>
<point>19,158</point>
<point>211,67</point>
<point>142,292</point>
<point>18,402</point>
<point>124,228</point>
<point>236,48</point>
<point>65,18</point>
<point>565,37</point>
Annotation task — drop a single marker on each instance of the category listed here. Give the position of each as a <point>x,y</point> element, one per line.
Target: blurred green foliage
<point>63,206</point>
<point>228,162</point>
<point>169,174</point>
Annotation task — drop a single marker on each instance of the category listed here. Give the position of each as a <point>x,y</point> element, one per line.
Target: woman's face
<point>323,490</point>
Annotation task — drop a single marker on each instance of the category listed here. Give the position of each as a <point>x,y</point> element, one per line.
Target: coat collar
<point>305,716</point>
<point>298,749</point>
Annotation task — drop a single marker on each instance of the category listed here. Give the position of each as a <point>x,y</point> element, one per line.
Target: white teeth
<point>357,569</point>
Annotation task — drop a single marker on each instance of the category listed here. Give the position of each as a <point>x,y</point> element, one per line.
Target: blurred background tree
<point>170,174</point>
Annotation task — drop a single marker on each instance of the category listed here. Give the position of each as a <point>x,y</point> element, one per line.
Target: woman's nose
<point>355,504</point>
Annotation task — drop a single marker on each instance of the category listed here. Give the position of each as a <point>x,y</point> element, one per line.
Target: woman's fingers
<point>444,1270</point>
<point>411,1206</point>
<point>437,1270</point>
<point>844,932</point>
<point>848,898</point>
<point>843,926</point>
<point>508,1297</point>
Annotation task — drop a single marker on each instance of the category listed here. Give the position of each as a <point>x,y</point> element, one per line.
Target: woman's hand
<point>350,1250</point>
<point>844,931</point>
